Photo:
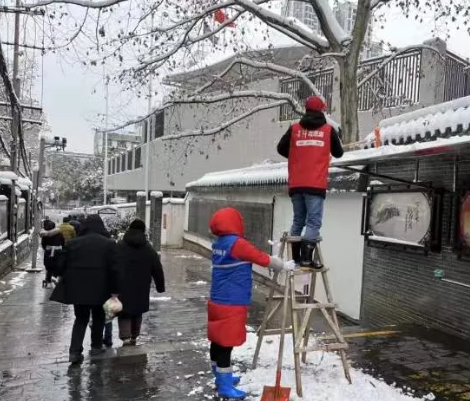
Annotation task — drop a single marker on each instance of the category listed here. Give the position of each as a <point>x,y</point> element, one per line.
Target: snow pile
<point>153,194</point>
<point>173,201</point>
<point>440,117</point>
<point>160,299</point>
<point>189,257</point>
<point>323,377</point>
<point>141,194</point>
<point>9,175</point>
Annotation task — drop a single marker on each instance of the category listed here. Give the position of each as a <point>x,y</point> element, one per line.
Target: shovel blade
<point>275,393</point>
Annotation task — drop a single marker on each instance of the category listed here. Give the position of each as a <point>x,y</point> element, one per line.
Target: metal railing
<point>323,80</point>
<point>457,80</point>
<point>396,83</point>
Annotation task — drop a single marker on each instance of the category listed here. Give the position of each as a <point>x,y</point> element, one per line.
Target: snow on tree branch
<point>285,24</point>
<point>228,123</point>
<point>262,65</point>
<point>329,24</point>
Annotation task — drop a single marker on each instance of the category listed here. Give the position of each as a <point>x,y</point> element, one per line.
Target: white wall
<point>342,244</point>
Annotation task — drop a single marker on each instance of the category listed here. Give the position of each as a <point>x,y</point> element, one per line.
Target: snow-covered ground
<point>323,377</point>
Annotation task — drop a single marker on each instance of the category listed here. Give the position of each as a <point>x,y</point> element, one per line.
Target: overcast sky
<point>74,96</point>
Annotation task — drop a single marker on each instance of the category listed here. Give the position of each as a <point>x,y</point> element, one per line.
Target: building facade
<point>186,152</point>
<point>117,141</point>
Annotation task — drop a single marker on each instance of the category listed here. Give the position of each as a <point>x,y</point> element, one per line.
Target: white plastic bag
<point>111,308</point>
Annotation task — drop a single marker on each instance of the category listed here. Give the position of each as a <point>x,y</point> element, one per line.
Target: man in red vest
<point>308,145</point>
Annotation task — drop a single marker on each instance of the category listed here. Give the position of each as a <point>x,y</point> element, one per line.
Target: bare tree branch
<point>226,124</point>
<point>80,3</point>
<point>262,65</point>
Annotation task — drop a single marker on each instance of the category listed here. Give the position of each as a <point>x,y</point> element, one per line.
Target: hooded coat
<point>310,158</point>
<point>232,258</point>
<point>139,264</point>
<point>88,266</point>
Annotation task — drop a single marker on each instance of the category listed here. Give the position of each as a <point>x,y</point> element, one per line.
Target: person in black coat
<point>139,263</point>
<point>52,247</point>
<point>90,277</point>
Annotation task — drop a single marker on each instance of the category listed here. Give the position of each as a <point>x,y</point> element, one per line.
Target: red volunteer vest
<point>309,157</point>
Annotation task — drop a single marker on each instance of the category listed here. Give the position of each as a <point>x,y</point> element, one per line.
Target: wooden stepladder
<point>302,308</point>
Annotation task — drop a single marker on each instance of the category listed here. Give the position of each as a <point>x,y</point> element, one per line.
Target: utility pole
<point>37,187</point>
<point>15,125</point>
<point>105,139</point>
<point>149,108</point>
<point>39,174</point>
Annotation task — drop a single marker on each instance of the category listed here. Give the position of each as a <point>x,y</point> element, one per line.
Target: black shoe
<point>97,351</point>
<point>306,253</point>
<point>75,359</point>
<point>296,252</point>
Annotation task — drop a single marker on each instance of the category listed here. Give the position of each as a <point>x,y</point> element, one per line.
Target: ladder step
<point>316,306</point>
<point>323,347</point>
<point>293,238</point>
<point>268,332</point>
<point>281,297</point>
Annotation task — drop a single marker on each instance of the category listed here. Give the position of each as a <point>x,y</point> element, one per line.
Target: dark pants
<point>221,355</point>
<point>129,326</point>
<point>82,317</point>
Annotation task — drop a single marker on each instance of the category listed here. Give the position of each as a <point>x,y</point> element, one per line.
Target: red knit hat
<point>315,103</point>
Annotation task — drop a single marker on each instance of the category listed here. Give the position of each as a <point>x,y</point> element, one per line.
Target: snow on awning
<point>455,145</point>
<point>437,121</point>
<point>275,174</point>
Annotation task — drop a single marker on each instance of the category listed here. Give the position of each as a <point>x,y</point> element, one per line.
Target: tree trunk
<point>349,100</point>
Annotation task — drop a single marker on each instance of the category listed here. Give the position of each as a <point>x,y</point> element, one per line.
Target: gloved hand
<point>289,265</point>
<point>279,265</point>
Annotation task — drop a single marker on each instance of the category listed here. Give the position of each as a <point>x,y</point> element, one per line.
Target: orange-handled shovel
<point>278,393</point>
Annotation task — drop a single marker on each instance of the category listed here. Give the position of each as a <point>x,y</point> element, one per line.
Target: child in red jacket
<point>232,258</point>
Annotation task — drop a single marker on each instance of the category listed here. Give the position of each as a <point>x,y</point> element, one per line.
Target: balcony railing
<point>457,81</point>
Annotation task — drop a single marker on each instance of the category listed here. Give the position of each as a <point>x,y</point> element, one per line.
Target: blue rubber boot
<point>236,379</point>
<point>225,387</point>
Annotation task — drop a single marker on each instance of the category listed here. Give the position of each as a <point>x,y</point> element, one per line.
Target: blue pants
<point>308,213</point>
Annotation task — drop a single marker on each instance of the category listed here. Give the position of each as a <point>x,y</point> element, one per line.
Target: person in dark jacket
<point>52,246</point>
<point>307,145</point>
<point>75,224</point>
<point>90,274</point>
<point>139,263</point>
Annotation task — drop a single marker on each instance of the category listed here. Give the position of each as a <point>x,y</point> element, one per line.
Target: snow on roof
<point>268,173</point>
<point>430,122</point>
<point>417,149</point>
<point>173,201</point>
<point>8,174</point>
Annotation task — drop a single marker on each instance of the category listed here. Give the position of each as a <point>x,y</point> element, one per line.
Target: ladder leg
<point>267,316</point>
<point>295,332</point>
<point>310,300</point>
<point>335,327</point>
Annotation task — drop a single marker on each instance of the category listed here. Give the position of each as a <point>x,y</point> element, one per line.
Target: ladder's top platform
<point>291,239</point>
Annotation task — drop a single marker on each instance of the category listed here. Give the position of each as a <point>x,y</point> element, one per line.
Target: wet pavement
<point>170,362</point>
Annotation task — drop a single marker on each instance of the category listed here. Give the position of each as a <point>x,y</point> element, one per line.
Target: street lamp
<point>58,144</point>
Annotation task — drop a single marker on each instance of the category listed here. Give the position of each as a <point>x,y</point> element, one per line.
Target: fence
<point>396,83</point>
<point>299,90</point>
<point>457,82</point>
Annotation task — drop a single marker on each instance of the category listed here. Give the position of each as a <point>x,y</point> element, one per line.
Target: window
<point>21,224</point>
<point>129,160</point>
<point>118,164</point>
<point>110,167</point>
<point>113,168</point>
<point>123,162</point>
<point>138,154</point>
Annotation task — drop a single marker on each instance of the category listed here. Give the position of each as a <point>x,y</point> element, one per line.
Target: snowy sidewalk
<point>171,361</point>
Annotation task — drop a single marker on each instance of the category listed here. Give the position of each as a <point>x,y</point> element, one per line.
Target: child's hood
<point>227,221</point>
